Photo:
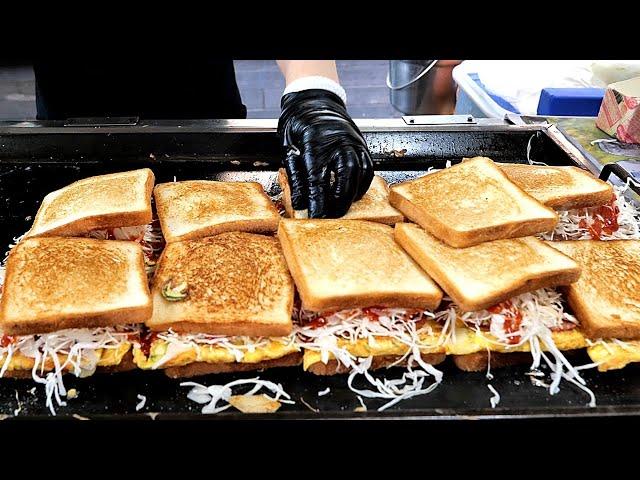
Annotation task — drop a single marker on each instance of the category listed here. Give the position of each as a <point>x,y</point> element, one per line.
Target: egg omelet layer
<point>612,355</point>
<point>190,353</point>
<point>107,357</point>
<point>466,341</point>
<point>381,346</point>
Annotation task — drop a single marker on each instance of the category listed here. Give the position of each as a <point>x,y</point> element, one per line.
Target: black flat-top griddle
<point>38,157</point>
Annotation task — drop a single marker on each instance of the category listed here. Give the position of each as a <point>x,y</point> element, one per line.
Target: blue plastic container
<point>574,102</point>
<point>474,99</point>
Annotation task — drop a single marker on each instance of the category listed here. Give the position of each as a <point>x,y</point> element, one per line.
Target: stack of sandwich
<point>222,294</point>
<point>479,248</point>
<point>75,305</point>
<point>468,262</point>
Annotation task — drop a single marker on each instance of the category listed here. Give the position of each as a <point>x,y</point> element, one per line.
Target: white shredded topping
<point>489,375</point>
<point>12,245</point>
<point>76,345</point>
<point>623,345</point>
<point>134,233</point>
<point>540,310</point>
<point>3,272</point>
<point>18,409</point>
<point>140,405</point>
<point>541,313</point>
<point>214,394</point>
<point>238,345</point>
<point>529,159</point>
<point>568,226</point>
<point>353,325</point>
<point>495,399</point>
<point>324,392</point>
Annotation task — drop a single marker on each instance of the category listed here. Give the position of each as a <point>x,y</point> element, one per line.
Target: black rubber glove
<point>328,163</point>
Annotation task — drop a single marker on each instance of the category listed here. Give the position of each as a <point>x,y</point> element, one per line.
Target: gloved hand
<point>327,162</point>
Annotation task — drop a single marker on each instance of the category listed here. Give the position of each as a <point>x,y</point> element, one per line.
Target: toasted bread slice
<point>200,208</point>
<point>606,299</point>
<point>235,283</point>
<point>106,201</point>
<point>483,275</point>
<point>58,283</point>
<point>561,188</point>
<point>471,203</point>
<point>333,367</point>
<point>339,264</point>
<point>203,368</point>
<point>479,361</point>
<point>373,206</point>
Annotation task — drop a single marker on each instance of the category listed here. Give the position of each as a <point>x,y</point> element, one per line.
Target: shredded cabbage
<point>569,224</point>
<point>352,325</point>
<point>71,351</point>
<point>495,399</point>
<point>214,394</point>
<point>238,345</point>
<point>541,313</point>
<point>142,401</point>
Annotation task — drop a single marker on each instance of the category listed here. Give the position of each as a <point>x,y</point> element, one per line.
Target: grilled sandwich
<point>96,204</point>
<point>115,206</point>
<point>373,206</point>
<point>471,203</point>
<point>502,296</point>
<point>220,304</point>
<point>361,296</point>
<point>606,299</point>
<point>199,208</point>
<point>561,188</point>
<point>71,305</point>
<point>484,275</point>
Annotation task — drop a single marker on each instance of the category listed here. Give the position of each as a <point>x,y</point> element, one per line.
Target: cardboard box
<point>619,114</point>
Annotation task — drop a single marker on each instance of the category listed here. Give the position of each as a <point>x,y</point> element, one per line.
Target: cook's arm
<point>321,139</point>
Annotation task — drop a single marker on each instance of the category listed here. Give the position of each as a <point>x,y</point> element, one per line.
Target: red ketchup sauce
<point>512,318</point>
<point>146,339</point>
<point>605,220</point>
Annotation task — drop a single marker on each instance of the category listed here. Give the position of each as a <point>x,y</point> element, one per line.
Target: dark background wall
<point>260,82</point>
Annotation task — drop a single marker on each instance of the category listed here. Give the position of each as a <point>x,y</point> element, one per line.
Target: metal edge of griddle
<point>572,148</point>
<point>434,415</point>
<point>243,126</point>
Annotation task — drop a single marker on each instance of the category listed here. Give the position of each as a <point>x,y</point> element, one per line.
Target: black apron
<point>150,88</point>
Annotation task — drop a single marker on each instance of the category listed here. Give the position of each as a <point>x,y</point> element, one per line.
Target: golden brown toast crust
<point>479,361</point>
<point>606,299</point>
<point>203,368</point>
<point>200,208</point>
<point>560,187</point>
<point>340,264</point>
<point>237,284</point>
<point>99,189</point>
<point>373,206</point>
<point>235,328</point>
<point>57,283</point>
<point>471,203</point>
<point>504,268</point>
<point>283,181</point>
<point>333,367</point>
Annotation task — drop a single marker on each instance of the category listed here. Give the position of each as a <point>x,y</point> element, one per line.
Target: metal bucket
<point>421,87</point>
